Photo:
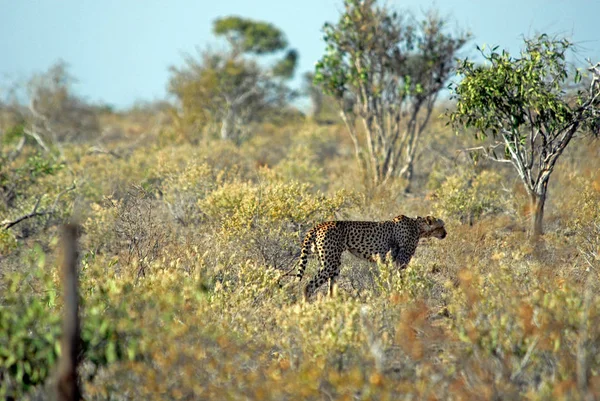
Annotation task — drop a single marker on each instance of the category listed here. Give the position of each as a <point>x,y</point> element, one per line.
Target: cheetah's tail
<point>309,239</point>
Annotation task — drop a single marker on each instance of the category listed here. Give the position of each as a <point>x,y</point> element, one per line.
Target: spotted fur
<point>368,240</point>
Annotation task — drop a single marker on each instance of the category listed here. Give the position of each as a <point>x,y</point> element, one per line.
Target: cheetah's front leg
<point>402,258</point>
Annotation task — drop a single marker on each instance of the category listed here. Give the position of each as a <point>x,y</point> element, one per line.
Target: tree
<point>247,36</point>
<point>231,89</point>
<point>314,93</point>
<point>323,107</point>
<point>46,105</point>
<point>389,68</point>
<point>56,113</point>
<point>524,106</point>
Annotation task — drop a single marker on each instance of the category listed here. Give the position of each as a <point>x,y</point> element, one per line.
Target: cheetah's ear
<point>430,220</point>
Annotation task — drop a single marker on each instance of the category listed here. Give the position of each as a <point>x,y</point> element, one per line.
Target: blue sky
<point>120,50</point>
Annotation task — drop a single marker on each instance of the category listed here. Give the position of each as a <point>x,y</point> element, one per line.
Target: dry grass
<point>185,251</point>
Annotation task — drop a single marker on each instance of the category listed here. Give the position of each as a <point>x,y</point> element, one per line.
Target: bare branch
<point>518,162</point>
<point>532,137</point>
<point>487,152</point>
<point>60,194</point>
<point>6,224</point>
<point>38,139</point>
<point>484,149</point>
<point>34,213</point>
<point>100,150</point>
<point>526,358</point>
<point>17,151</point>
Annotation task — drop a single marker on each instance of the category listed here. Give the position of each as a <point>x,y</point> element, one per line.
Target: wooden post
<point>67,381</point>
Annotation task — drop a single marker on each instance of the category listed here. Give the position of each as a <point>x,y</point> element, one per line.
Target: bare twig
<point>98,149</point>
<point>487,151</point>
<point>526,358</point>
<point>60,194</point>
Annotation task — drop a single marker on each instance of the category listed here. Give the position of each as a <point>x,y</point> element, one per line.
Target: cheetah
<point>368,240</point>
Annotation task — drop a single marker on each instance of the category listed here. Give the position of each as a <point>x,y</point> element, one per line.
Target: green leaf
<point>111,352</point>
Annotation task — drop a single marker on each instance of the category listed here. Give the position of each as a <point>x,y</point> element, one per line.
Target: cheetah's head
<point>431,227</point>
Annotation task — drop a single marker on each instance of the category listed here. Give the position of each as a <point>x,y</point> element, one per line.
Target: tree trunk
<point>227,127</point>
<point>350,125</point>
<point>407,173</point>
<point>537,213</point>
<point>316,98</point>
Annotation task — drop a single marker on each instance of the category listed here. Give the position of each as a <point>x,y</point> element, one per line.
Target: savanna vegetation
<point>191,215</point>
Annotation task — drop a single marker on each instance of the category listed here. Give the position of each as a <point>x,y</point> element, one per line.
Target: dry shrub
<point>305,159</point>
<point>102,175</point>
<point>585,226</point>
<point>265,221</point>
<point>482,314</point>
<point>182,190</point>
<point>523,332</point>
<point>134,228</point>
<point>141,229</point>
<point>468,196</point>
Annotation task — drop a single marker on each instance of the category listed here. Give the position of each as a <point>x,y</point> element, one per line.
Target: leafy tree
<point>247,36</point>
<point>389,68</point>
<point>286,67</point>
<point>230,89</point>
<point>524,106</point>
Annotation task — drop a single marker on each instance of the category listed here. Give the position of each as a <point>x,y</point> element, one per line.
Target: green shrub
<point>21,177</point>
<point>412,282</point>
<point>8,242</point>
<point>30,329</point>
<point>468,196</point>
